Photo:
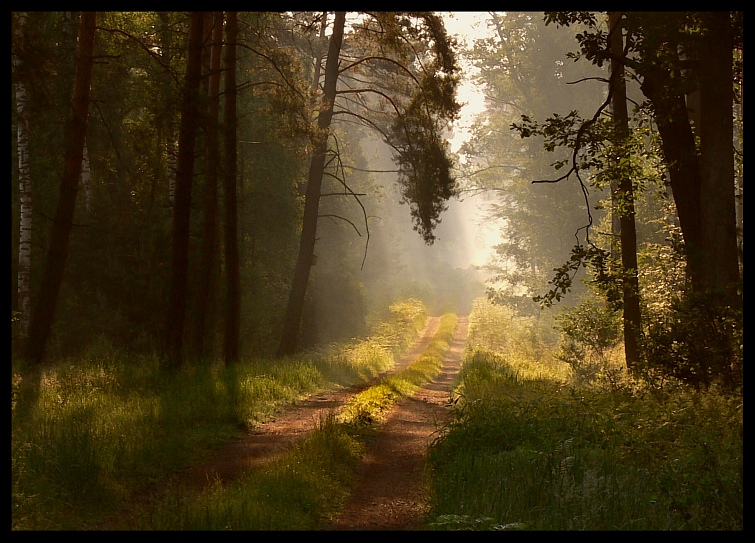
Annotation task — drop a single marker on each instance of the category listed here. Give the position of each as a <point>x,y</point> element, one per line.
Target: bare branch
<point>334,216</point>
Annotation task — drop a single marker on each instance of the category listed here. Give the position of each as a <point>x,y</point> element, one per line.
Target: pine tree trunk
<point>233,303</point>
<point>625,200</point>
<point>44,310</point>
<point>305,260</point>
<point>176,316</point>
<point>170,143</point>
<point>210,230</point>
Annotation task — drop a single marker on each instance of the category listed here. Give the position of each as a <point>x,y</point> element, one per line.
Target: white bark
<point>24,185</point>
<point>172,167</point>
<point>86,178</point>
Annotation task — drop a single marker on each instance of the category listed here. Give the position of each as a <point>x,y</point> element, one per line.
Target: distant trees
<point>522,71</point>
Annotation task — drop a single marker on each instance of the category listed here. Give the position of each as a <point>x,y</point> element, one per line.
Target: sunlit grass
<point>371,405</point>
<point>89,433</point>
<point>532,450</point>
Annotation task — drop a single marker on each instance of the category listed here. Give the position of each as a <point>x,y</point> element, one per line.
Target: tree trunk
<point>43,315</point>
<point>86,178</point>
<point>210,230</point>
<point>24,187</point>
<point>717,196</point>
<point>305,260</point>
<point>233,303</point>
<point>680,154</point>
<point>170,130</point>
<point>625,198</point>
<point>175,321</point>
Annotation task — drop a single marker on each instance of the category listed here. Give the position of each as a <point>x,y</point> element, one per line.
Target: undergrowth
<point>547,449</point>
<point>89,433</point>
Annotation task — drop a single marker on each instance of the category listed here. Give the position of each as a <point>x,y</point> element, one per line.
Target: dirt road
<point>391,494</point>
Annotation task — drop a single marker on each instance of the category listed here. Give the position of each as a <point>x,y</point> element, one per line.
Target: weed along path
<point>390,494</point>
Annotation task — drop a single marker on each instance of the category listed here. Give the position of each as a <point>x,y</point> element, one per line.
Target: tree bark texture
<point>625,199</point>
<point>305,259</point>
<point>44,310</point>
<point>232,302</point>
<point>678,144</point>
<point>24,186</point>
<point>208,264</point>
<point>176,316</point>
<point>717,197</point>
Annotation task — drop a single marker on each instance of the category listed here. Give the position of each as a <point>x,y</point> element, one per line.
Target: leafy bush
<point>688,337</point>
<point>590,331</point>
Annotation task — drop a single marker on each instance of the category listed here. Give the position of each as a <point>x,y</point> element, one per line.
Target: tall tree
<point>305,259</point>
<point>24,178</point>
<point>398,77</point>
<point>208,262</point>
<point>624,197</point>
<point>232,297</point>
<point>176,309</point>
<point>44,310</point>
<point>715,49</point>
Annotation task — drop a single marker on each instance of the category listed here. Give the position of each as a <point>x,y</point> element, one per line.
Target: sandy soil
<point>390,493</point>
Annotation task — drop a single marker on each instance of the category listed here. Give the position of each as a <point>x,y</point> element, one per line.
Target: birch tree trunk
<point>44,310</point>
<point>24,186</point>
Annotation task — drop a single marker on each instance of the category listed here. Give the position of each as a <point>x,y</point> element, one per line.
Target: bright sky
<point>466,26</point>
<point>482,233</point>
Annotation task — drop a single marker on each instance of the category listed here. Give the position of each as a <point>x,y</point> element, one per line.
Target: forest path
<point>390,493</point>
<point>265,442</point>
<point>262,443</point>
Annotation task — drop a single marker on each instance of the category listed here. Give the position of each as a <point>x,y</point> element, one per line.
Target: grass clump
<point>534,451</point>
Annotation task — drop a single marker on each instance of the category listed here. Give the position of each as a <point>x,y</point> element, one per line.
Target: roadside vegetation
<point>544,439</point>
<point>306,485</point>
<point>87,434</point>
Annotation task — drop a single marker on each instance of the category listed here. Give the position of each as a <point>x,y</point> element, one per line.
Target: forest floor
<point>390,493</point>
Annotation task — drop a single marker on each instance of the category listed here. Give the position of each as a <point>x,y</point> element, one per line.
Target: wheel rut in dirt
<point>390,494</point>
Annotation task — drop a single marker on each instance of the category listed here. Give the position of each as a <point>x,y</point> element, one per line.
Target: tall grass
<point>300,490</point>
<point>533,450</point>
<point>89,433</point>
